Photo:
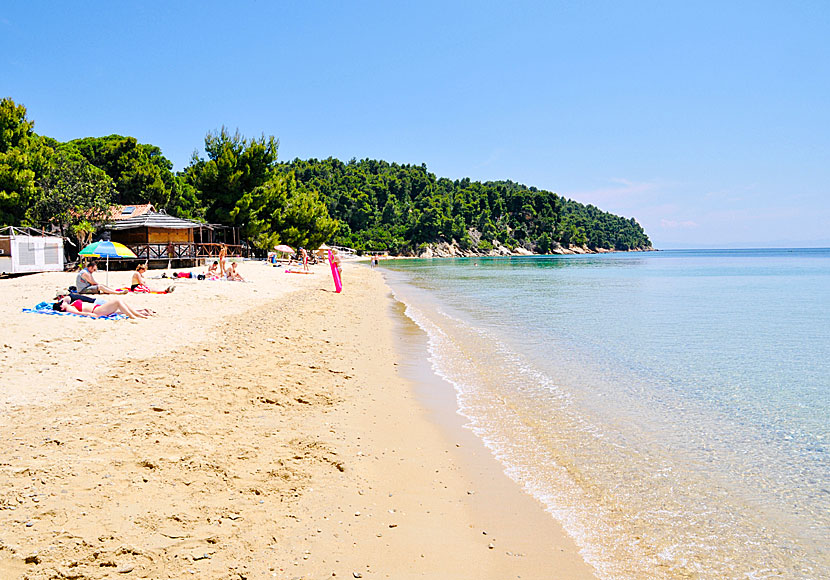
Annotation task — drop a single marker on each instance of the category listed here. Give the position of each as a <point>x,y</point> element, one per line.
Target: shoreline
<point>440,251</point>
<point>497,501</point>
<point>280,441</point>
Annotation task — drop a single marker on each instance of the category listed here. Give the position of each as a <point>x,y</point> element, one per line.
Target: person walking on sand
<point>304,256</point>
<point>86,284</point>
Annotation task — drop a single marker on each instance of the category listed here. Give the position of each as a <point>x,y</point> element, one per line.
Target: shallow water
<point>672,409</point>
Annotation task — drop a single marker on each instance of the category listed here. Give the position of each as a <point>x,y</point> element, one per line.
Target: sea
<point>671,409</point>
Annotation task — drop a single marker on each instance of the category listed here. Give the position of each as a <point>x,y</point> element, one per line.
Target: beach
<point>250,430</point>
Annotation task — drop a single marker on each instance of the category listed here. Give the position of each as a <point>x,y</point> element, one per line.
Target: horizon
<point>708,124</point>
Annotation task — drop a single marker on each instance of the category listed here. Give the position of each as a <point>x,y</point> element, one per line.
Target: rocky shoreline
<point>452,250</point>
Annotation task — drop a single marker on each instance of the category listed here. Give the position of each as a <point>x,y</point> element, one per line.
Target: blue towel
<point>46,308</point>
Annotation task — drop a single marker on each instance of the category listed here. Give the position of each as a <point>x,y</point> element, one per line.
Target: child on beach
<point>336,258</point>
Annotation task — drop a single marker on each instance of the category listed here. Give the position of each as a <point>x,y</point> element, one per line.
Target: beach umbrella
<point>107,249</point>
<point>284,249</point>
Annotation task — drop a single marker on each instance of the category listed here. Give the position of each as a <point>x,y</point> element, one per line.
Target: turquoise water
<point>671,408</point>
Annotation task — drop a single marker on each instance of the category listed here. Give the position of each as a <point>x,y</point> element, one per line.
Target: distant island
<point>368,205</point>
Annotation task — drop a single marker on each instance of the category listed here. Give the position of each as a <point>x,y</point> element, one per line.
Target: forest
<point>368,205</point>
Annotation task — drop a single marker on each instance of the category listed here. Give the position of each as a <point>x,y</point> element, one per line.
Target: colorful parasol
<point>107,249</point>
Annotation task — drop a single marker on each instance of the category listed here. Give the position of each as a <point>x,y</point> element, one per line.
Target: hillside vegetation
<point>387,206</point>
<point>369,205</point>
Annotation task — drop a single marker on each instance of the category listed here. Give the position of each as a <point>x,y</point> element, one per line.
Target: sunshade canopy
<point>107,249</point>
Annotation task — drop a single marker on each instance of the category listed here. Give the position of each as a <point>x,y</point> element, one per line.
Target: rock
<point>125,569</point>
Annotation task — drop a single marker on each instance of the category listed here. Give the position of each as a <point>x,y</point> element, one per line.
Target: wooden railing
<point>181,251</point>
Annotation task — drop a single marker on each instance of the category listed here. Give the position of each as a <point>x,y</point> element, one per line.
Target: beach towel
<point>142,289</point>
<point>46,308</point>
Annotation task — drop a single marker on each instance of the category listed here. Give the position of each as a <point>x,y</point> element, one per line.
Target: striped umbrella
<point>107,249</point>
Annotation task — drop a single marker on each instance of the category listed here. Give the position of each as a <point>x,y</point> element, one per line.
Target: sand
<point>257,430</point>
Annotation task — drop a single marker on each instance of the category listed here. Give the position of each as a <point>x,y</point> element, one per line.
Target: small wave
<point>635,511</point>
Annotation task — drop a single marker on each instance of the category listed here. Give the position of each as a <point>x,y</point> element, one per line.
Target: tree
<point>140,172</point>
<point>75,195</point>
<point>235,167</point>
<point>297,216</point>
<point>543,243</point>
<point>21,159</point>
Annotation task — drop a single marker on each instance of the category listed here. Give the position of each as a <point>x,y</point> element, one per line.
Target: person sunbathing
<point>213,271</point>
<point>116,306</point>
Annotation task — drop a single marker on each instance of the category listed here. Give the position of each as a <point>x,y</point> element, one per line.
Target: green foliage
<point>266,241</point>
<point>140,172</point>
<point>369,205</point>
<point>386,206</point>
<point>22,157</point>
<point>74,194</point>
<point>484,246</point>
<point>235,167</point>
<point>296,214</point>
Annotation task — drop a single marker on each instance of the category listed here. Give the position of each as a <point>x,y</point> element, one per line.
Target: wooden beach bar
<point>157,236</point>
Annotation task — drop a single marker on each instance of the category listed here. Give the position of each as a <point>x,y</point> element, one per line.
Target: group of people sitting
<point>78,299</point>
<point>216,272</point>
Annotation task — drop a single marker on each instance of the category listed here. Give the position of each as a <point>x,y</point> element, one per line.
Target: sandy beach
<point>250,430</point>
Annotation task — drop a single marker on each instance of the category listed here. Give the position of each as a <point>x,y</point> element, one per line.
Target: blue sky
<point>709,122</point>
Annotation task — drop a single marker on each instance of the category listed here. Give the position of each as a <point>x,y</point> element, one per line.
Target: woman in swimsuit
<point>65,304</point>
<point>139,284</point>
<point>233,275</point>
<point>223,254</point>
